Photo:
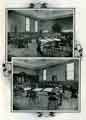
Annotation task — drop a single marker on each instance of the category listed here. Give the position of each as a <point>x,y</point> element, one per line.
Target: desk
<point>49,46</point>
<point>27,88</point>
<point>44,41</point>
<point>55,39</point>
<point>48,89</point>
<point>37,89</point>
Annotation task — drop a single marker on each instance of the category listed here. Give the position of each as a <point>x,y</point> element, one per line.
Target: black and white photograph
<point>40,32</point>
<point>46,84</point>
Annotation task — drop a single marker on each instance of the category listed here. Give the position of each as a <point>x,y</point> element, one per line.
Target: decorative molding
<point>78,50</point>
<point>7,69</point>
<point>38,5</point>
<point>51,114</point>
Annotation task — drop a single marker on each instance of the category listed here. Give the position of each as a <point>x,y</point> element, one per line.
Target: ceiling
<point>38,63</point>
<point>45,13</point>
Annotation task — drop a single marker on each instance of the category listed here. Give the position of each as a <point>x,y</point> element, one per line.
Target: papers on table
<point>55,39</point>
<point>40,89</point>
<point>49,39</point>
<point>48,89</point>
<point>43,41</point>
<point>37,89</point>
<point>27,88</point>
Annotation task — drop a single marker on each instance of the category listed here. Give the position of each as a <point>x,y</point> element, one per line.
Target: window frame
<point>70,71</point>
<point>44,74</point>
<point>26,24</point>
<point>36,25</point>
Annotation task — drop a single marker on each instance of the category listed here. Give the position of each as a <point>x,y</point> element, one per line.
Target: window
<point>70,71</point>
<point>36,26</point>
<point>27,24</point>
<point>44,74</point>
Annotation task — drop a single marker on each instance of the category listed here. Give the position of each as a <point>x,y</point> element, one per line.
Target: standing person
<point>61,94</point>
<point>39,43</point>
<point>38,46</point>
<point>52,101</point>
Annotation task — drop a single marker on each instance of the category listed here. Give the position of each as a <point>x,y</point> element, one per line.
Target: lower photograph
<point>45,84</point>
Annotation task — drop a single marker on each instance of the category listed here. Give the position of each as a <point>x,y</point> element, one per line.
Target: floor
<point>23,52</point>
<point>31,51</point>
<point>41,103</point>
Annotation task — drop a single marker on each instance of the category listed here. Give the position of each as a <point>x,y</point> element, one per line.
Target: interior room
<point>40,32</point>
<point>46,84</point>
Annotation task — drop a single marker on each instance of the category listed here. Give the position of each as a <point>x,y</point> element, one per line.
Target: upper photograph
<point>39,33</point>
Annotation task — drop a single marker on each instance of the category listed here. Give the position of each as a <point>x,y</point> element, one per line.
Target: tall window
<point>36,26</point>
<point>44,74</point>
<point>70,71</point>
<point>27,24</point>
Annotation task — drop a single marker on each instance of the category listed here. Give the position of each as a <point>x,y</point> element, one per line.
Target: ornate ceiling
<point>38,63</point>
<point>44,13</point>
